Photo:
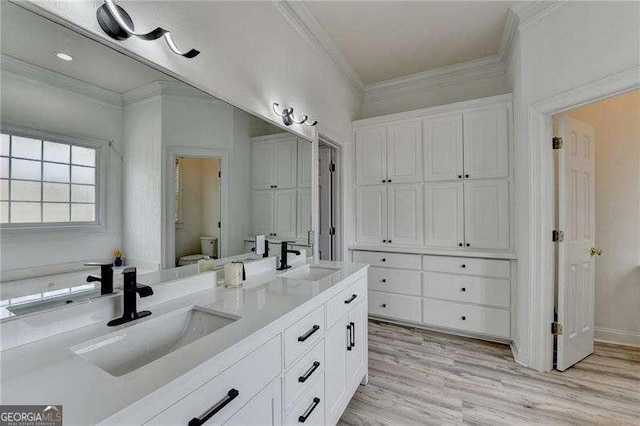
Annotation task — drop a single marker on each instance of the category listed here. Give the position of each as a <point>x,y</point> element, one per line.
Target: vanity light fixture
<point>117,24</point>
<point>288,118</point>
<point>63,56</point>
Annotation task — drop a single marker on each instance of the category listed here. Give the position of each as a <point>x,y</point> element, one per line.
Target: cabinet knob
<point>389,240</point>
<point>459,244</point>
<point>383,260</point>
<point>384,241</point>
<point>459,176</point>
<point>384,305</point>
<point>463,289</point>
<point>468,245</point>
<point>464,318</point>
<point>389,180</point>
<point>384,280</point>
<point>466,176</point>
<point>463,266</point>
<point>383,180</point>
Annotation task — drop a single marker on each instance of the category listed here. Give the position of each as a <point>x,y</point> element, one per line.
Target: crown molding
<point>166,88</point>
<point>508,36</point>
<point>529,12</point>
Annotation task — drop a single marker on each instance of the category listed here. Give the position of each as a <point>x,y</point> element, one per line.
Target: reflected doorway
<point>327,184</point>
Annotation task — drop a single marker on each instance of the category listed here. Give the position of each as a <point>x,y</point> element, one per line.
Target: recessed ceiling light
<point>63,56</point>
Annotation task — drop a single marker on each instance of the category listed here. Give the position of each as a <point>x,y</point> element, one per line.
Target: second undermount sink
<point>128,349</point>
<point>309,273</point>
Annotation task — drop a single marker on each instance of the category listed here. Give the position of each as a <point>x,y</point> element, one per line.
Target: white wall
<point>617,297</point>
<point>34,105</point>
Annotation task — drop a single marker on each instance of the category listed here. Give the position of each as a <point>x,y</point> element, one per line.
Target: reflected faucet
<point>283,255</point>
<point>130,291</point>
<point>105,278</point>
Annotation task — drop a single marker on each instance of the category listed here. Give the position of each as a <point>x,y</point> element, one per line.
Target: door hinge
<point>557,143</point>
<point>556,329</point>
<point>332,230</point>
<point>332,167</point>
<point>219,174</point>
<point>558,236</point>
<point>219,224</point>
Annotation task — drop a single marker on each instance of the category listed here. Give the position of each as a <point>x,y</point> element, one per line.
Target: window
<point>46,182</point>
<point>177,188</point>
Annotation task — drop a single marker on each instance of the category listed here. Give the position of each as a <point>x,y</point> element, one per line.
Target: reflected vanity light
<point>117,24</point>
<point>63,56</point>
<point>288,118</point>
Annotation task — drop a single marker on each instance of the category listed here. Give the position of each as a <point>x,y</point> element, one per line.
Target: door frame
<point>168,225</point>
<point>337,193</point>
<point>541,220</point>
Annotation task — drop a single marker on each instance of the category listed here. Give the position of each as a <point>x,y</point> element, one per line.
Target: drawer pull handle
<point>463,289</point>
<point>303,418</point>
<point>384,280</point>
<point>309,372</point>
<point>468,245</point>
<point>463,266</point>
<point>308,334</point>
<point>459,244</point>
<point>384,241</point>
<point>383,259</point>
<point>351,299</point>
<point>349,336</point>
<point>353,334</point>
<point>231,395</point>
<point>464,318</point>
<point>389,240</point>
<point>384,305</point>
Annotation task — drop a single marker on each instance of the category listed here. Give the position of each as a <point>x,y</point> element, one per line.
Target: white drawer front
<point>345,300</point>
<point>247,376</point>
<point>388,260</point>
<point>395,280</point>
<point>468,266</point>
<point>302,335</point>
<point>494,322</point>
<point>303,374</point>
<point>311,406</point>
<point>405,308</point>
<point>470,289</point>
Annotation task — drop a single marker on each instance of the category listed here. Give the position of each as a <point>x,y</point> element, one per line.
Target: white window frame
<point>101,148</point>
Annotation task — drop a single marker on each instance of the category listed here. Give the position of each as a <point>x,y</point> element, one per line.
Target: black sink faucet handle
<point>105,278</point>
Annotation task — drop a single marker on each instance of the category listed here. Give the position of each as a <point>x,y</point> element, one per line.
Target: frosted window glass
<point>55,212</point>
<point>82,194</point>
<point>56,172</point>
<point>57,152</point>
<point>25,191</point>
<point>4,212</point>
<point>4,167</point>
<point>82,212</point>
<point>25,169</point>
<point>83,156</point>
<point>4,145</point>
<point>25,212</point>
<point>26,148</point>
<point>55,192</point>
<point>4,189</point>
<point>82,174</point>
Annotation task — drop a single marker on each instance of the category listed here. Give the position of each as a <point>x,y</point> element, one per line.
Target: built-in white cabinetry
<point>371,214</point>
<point>404,152</point>
<point>304,213</point>
<point>371,156</point>
<point>304,163</point>
<point>486,143</point>
<point>275,162</point>
<point>444,214</point>
<point>443,148</point>
<point>274,212</point>
<point>486,214</point>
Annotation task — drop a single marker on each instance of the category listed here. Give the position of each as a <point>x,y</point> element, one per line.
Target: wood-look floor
<point>423,377</point>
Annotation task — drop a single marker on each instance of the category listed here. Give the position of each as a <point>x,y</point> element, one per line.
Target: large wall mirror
<point>103,156</point>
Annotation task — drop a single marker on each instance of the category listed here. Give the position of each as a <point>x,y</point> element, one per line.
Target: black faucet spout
<point>131,289</point>
<point>284,251</point>
<point>105,278</point>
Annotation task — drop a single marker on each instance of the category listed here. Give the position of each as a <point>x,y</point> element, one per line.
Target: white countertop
<point>46,371</point>
<point>485,253</point>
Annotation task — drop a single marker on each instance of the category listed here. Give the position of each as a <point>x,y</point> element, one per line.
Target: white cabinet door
<point>263,410</point>
<point>304,163</point>
<point>404,149</point>
<point>304,213</point>
<point>262,165</point>
<point>336,341</point>
<point>284,213</point>
<point>486,144</point>
<point>443,148</point>
<point>405,214</point>
<point>486,214</point>
<point>444,214</point>
<point>357,355</point>
<point>371,156</point>
<point>371,214</point>
<point>285,169</point>
<point>262,212</point>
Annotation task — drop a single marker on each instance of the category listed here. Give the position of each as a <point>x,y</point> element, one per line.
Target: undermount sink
<point>127,350</point>
<point>309,273</point>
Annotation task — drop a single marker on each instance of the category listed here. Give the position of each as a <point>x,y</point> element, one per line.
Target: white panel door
<point>371,214</point>
<point>304,163</point>
<point>357,355</point>
<point>486,144</point>
<point>285,169</point>
<point>404,148</point>
<point>284,213</point>
<point>405,214</point>
<point>262,165</point>
<point>371,156</point>
<point>262,212</point>
<point>444,214</point>
<point>336,369</point>
<point>263,410</point>
<point>576,217</point>
<point>443,148</point>
<point>486,214</point>
<point>304,213</point>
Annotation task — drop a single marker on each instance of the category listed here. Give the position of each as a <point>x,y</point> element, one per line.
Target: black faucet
<point>283,255</point>
<point>130,291</point>
<point>105,278</point>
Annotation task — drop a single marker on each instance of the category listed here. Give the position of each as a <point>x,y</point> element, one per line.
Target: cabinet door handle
<point>383,259</point>
<point>353,334</point>
<point>308,334</point>
<point>231,395</point>
<point>389,240</point>
<point>463,266</point>
<point>349,337</point>
<point>303,418</point>
<point>459,244</point>
<point>384,280</point>
<point>384,241</point>
<point>463,289</point>
<point>466,176</point>
<point>389,180</point>
<point>463,318</point>
<point>309,372</point>
<point>351,299</point>
<point>468,245</point>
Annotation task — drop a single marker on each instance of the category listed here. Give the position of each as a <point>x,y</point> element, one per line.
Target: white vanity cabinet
<point>275,162</point>
<point>274,212</point>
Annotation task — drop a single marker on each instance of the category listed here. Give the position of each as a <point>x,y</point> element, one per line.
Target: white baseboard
<point>619,337</point>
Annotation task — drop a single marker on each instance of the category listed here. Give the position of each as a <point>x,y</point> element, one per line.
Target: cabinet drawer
<point>470,289</point>
<point>388,260</point>
<point>345,300</point>
<point>310,406</point>
<point>247,377</point>
<point>468,266</point>
<point>303,374</point>
<point>395,281</point>
<point>302,335</point>
<point>477,319</point>
<point>394,306</point>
